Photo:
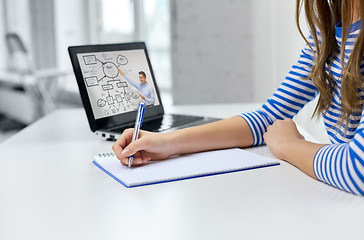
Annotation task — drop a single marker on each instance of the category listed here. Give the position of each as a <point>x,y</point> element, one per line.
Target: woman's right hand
<point>149,146</point>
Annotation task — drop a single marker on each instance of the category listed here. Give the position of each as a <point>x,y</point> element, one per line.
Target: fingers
<point>122,142</point>
<point>137,161</point>
<point>123,148</point>
<point>135,147</point>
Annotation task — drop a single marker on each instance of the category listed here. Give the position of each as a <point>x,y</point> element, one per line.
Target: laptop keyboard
<point>167,122</point>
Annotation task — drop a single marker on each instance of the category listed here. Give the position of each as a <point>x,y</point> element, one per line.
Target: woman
<point>331,66</point>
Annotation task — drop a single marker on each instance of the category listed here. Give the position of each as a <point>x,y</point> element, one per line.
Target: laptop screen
<point>117,81</point>
<point>112,80</point>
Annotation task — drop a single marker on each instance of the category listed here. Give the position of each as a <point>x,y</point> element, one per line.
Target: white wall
<point>277,44</point>
<point>211,51</point>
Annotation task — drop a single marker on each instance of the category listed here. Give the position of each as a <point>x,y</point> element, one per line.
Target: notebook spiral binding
<point>106,154</point>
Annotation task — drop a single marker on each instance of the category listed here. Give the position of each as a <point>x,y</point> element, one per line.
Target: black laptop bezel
<point>114,121</point>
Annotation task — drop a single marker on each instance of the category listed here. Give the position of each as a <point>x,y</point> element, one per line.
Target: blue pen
<point>138,124</point>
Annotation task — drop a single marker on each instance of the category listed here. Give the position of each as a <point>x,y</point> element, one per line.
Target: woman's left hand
<point>280,136</point>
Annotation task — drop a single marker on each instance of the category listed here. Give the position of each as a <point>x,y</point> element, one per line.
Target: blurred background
<point>202,52</point>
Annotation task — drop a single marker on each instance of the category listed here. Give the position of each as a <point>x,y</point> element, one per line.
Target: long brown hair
<point>324,15</point>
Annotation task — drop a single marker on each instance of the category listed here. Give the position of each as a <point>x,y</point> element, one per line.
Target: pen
<point>138,124</point>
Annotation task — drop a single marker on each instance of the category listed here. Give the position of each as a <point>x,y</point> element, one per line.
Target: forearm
<point>286,143</point>
<point>301,153</point>
<point>227,133</point>
<point>131,82</point>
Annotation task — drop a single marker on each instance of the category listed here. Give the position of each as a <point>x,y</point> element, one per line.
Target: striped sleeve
<point>342,165</point>
<point>291,96</point>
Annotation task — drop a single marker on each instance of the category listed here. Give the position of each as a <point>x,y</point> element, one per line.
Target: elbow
<point>341,166</point>
<point>355,170</point>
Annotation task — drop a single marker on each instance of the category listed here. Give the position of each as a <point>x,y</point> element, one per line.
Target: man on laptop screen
<point>146,91</point>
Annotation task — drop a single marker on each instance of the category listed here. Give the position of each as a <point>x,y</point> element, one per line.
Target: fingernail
<point>125,152</point>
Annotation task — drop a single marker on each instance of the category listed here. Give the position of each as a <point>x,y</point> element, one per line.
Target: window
<point>158,40</point>
<point>115,21</point>
<point>144,20</point>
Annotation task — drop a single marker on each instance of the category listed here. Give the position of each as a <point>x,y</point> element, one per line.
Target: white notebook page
<point>182,167</point>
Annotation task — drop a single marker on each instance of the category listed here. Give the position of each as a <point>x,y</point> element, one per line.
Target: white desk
<point>51,190</point>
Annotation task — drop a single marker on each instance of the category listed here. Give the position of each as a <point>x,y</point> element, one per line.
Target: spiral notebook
<point>182,167</point>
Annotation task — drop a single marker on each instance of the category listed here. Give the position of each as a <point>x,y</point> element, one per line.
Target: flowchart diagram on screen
<point>107,89</point>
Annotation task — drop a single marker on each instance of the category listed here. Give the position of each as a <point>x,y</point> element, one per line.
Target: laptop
<point>112,80</point>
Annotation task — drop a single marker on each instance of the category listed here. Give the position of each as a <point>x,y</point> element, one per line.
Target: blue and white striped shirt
<point>340,164</point>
